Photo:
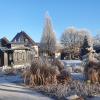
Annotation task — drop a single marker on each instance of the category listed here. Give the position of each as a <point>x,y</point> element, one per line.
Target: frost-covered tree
<point>48,40</point>
<point>72,40</point>
<point>68,37</point>
<point>97,39</point>
<point>85,33</point>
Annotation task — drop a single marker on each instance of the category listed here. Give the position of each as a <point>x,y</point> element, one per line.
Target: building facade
<point>20,51</point>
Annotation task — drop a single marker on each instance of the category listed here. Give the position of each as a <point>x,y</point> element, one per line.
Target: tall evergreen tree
<point>85,45</point>
<point>48,40</point>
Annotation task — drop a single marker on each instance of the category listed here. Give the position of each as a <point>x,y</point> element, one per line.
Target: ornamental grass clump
<point>44,72</point>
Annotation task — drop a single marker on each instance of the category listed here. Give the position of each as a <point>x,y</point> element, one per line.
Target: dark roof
<point>20,35</point>
<point>4,39</point>
<point>3,42</point>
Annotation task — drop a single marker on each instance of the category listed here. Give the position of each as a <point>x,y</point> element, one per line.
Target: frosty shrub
<point>9,71</point>
<point>61,91</point>
<point>41,72</point>
<point>44,72</point>
<point>58,63</point>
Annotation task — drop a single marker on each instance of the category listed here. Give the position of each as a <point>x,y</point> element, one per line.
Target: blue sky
<point>28,15</point>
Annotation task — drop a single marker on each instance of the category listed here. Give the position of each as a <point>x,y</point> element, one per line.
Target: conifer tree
<point>48,40</point>
<point>84,47</point>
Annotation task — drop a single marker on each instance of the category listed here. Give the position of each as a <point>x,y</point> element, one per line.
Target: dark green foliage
<point>84,47</point>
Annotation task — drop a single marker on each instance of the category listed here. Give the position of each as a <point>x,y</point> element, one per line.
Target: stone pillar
<point>0,61</point>
<point>25,61</point>
<point>26,56</point>
<point>5,59</point>
<point>14,59</point>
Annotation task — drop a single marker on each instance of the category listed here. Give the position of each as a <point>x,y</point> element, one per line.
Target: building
<point>20,51</point>
<point>68,55</point>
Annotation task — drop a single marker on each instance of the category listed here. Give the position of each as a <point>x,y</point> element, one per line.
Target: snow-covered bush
<point>69,69</point>
<point>62,91</point>
<point>8,70</point>
<point>43,72</point>
<point>78,69</point>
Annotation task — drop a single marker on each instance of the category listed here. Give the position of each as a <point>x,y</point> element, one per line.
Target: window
<point>10,57</point>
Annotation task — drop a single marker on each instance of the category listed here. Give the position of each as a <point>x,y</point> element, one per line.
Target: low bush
<point>62,91</point>
<point>43,72</point>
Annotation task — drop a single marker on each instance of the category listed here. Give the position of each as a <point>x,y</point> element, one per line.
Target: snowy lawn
<point>76,87</point>
<point>11,91</point>
<point>78,76</point>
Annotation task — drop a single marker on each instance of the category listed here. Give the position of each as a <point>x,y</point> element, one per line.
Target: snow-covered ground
<point>11,91</point>
<point>78,76</point>
<point>81,77</point>
<point>94,98</point>
<point>72,62</point>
